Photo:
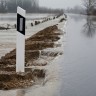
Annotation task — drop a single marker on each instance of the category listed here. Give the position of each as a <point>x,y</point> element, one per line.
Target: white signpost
<point>20,46</point>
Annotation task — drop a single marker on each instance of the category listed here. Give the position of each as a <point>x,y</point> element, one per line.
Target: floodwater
<point>49,86</point>
<point>8,37</point>
<point>12,16</point>
<point>78,73</point>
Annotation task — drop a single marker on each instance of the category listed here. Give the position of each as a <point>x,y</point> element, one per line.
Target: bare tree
<point>89,28</point>
<point>89,5</point>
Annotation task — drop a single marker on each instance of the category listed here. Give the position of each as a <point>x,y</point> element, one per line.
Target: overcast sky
<point>60,3</point>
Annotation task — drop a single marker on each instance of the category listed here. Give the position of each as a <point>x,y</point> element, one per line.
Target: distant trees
<point>49,10</point>
<point>11,5</point>
<point>31,6</point>
<point>75,10</point>
<point>2,7</point>
<point>90,6</point>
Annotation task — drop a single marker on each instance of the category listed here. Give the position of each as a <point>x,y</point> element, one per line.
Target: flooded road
<point>8,37</point>
<point>78,74</point>
<point>50,85</point>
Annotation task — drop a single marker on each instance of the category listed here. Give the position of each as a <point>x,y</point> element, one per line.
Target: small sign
<point>20,44</point>
<point>20,24</point>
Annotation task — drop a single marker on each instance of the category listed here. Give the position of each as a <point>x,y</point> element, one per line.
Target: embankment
<point>35,56</point>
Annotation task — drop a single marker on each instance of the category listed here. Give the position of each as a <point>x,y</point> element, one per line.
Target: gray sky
<point>60,3</point>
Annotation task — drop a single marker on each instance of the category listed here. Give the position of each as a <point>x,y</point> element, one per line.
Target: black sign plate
<point>20,24</point>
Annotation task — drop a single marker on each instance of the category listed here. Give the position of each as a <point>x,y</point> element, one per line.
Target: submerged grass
<point>9,79</point>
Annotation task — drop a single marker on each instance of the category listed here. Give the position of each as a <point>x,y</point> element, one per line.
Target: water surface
<point>78,72</point>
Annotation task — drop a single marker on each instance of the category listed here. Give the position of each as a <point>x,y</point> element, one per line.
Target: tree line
<point>31,6</point>
<point>11,5</point>
<point>90,6</point>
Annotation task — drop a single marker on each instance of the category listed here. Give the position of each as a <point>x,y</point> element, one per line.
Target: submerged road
<point>78,74</point>
<point>78,63</point>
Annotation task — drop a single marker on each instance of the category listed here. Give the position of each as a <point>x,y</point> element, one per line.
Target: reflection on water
<point>89,24</point>
<point>77,17</point>
<point>78,72</point>
<point>89,28</point>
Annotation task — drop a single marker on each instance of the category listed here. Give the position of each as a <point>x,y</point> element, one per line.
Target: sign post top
<point>21,11</point>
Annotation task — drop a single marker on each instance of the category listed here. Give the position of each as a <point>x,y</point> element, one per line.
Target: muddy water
<point>78,74</point>
<point>8,41</point>
<point>8,37</point>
